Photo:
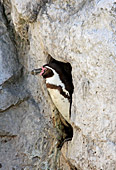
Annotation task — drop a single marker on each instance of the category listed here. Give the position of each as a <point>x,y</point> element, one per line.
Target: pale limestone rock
<point>86,39</point>
<point>84,34</point>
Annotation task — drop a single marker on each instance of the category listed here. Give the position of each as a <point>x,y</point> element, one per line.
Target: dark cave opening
<point>66,127</point>
<point>59,84</point>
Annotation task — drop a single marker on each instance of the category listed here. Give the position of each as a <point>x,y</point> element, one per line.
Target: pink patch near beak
<point>43,69</point>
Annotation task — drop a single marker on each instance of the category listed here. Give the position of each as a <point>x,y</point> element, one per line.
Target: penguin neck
<point>55,79</point>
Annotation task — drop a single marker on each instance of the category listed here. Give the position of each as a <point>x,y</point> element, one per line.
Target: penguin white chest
<point>62,103</point>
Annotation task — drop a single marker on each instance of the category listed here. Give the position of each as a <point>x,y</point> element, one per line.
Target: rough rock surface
<point>82,33</point>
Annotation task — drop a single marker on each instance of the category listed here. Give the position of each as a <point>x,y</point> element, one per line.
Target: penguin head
<point>45,71</point>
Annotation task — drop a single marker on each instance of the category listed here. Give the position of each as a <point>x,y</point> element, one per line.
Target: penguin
<point>59,84</point>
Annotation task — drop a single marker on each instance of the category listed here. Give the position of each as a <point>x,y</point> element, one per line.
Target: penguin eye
<point>43,71</point>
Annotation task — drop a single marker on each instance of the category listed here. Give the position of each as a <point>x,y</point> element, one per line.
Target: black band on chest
<point>59,88</point>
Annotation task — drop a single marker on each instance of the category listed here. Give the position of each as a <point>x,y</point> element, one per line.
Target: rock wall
<point>82,33</point>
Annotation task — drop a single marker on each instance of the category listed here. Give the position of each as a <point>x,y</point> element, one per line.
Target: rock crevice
<point>82,33</point>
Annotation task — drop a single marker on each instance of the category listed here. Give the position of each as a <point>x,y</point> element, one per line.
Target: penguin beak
<point>36,71</point>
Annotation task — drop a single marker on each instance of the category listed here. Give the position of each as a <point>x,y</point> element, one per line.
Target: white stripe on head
<point>55,80</point>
